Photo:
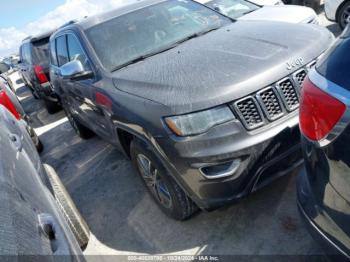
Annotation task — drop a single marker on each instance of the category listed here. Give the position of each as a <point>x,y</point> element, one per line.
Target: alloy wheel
<point>345,16</point>
<point>154,181</point>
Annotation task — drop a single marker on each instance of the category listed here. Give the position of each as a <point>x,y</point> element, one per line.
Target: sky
<point>20,18</point>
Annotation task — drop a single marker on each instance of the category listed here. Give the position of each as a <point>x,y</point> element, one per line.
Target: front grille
<point>270,103</point>
<point>300,77</point>
<point>289,94</point>
<point>250,113</point>
<point>273,102</point>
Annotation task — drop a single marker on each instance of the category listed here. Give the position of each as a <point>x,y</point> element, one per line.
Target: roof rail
<point>68,23</point>
<point>28,37</point>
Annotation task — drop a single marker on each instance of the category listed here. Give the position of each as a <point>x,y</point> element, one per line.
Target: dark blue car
<point>324,185</point>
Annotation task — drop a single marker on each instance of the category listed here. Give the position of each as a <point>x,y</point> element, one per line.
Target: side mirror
<point>74,70</point>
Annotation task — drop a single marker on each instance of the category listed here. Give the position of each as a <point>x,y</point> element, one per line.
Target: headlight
<point>200,122</point>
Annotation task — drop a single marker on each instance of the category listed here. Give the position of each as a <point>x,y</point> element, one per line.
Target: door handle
<point>16,141</point>
<point>53,232</point>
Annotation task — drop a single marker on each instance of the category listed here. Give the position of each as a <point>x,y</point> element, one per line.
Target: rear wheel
<point>80,129</point>
<point>343,15</point>
<point>52,107</point>
<point>165,191</point>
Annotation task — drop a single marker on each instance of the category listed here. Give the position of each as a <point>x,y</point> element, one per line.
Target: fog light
<point>221,170</point>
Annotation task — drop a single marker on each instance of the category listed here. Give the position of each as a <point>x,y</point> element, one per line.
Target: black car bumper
<point>319,223</point>
<point>264,156</point>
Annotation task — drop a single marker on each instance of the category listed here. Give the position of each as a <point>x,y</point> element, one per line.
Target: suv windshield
<point>41,51</point>
<point>136,35</point>
<point>232,8</point>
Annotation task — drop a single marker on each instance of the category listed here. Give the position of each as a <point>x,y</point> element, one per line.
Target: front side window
<point>151,29</point>
<point>232,8</point>
<point>53,55</point>
<point>61,50</point>
<point>76,52</point>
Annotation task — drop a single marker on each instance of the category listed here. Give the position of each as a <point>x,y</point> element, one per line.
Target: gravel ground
<point>125,221</point>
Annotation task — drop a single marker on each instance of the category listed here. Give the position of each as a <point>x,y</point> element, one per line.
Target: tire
<point>343,14</point>
<point>314,4</point>
<point>81,130</point>
<point>71,214</point>
<point>35,95</point>
<point>169,196</point>
<point>51,107</point>
<point>36,140</point>
<point>39,146</point>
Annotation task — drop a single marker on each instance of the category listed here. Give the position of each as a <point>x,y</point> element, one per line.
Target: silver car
<point>37,216</point>
<point>246,10</point>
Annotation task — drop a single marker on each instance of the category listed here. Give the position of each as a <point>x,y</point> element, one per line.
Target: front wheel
<point>344,15</point>
<point>52,107</point>
<point>165,191</point>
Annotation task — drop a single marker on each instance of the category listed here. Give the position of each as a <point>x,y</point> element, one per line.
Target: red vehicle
<point>10,101</point>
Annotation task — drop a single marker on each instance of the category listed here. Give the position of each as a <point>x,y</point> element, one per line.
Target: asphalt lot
<point>124,220</point>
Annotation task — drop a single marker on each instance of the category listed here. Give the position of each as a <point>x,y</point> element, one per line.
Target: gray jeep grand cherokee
<point>206,107</point>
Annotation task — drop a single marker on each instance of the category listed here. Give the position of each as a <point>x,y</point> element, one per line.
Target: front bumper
<point>265,155</point>
<point>319,223</point>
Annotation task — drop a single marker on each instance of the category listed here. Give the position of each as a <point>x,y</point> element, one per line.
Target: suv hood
<point>283,13</point>
<point>223,65</point>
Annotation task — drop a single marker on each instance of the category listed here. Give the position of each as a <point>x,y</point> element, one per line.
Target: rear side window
<point>40,51</point>
<point>76,52</point>
<point>61,50</point>
<point>25,53</point>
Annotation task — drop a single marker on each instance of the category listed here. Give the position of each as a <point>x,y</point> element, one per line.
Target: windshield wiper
<point>248,12</point>
<point>133,61</point>
<point>143,57</point>
<point>195,35</point>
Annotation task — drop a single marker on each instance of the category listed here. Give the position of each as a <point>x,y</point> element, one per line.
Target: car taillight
<point>319,111</point>
<point>39,72</point>
<point>6,102</point>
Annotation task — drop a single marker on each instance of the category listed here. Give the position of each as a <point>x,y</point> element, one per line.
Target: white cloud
<point>10,38</point>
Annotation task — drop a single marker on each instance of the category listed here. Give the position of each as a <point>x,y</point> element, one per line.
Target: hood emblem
<point>295,63</point>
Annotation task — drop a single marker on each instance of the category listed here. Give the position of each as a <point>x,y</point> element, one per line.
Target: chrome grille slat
<point>288,93</point>
<point>300,76</point>
<point>270,103</point>
<point>249,112</point>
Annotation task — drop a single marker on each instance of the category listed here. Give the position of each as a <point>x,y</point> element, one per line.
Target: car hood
<point>223,65</point>
<point>283,13</point>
